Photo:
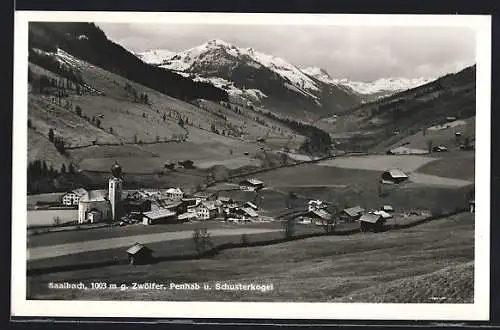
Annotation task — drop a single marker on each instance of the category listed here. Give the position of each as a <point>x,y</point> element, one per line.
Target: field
<point>356,268</point>
<point>46,217</point>
<point>462,167</point>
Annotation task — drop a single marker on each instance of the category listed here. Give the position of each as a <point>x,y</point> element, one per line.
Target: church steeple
<point>115,191</point>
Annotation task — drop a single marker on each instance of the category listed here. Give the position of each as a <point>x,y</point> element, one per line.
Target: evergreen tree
<point>78,110</point>
<point>63,168</point>
<point>164,117</point>
<point>71,169</point>
<point>181,122</point>
<point>51,135</point>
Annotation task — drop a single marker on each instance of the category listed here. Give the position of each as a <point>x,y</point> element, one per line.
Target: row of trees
<point>57,141</point>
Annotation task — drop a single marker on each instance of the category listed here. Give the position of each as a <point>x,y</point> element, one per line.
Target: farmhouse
<point>439,149</point>
<point>248,212</point>
<point>352,213</point>
<point>175,194</point>
<point>139,254</point>
<point>160,216</point>
<point>251,184</point>
<point>188,216</point>
<point>394,176</point>
<point>206,211</point>
<point>73,197</point>
<point>371,222</point>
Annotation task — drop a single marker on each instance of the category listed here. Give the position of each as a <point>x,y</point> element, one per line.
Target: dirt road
<point>52,251</point>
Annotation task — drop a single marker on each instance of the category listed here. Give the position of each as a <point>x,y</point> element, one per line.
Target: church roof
<point>95,196</point>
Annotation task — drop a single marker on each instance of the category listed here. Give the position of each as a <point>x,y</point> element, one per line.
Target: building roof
<point>252,205</point>
<point>397,173</point>
<point>158,214</point>
<point>407,151</point>
<point>79,192</point>
<point>383,214</point>
<point>387,208</point>
<point>254,182</point>
<point>186,215</point>
<point>370,217</point>
<point>314,202</point>
<point>322,214</point>
<point>136,248</point>
<point>209,205</point>
<point>175,191</point>
<point>95,196</point>
<point>225,199</point>
<point>250,212</point>
<point>354,211</point>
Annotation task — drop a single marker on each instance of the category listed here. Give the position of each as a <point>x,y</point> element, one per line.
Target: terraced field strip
<point>51,251</point>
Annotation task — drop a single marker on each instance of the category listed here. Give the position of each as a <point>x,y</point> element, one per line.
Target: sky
<point>358,53</point>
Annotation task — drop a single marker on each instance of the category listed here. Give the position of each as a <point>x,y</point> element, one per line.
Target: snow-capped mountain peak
<point>383,86</point>
<point>155,56</point>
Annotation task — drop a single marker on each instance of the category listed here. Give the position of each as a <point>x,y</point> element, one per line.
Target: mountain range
<point>215,60</point>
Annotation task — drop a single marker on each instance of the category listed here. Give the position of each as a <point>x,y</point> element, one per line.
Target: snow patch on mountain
<point>250,94</point>
<point>155,56</point>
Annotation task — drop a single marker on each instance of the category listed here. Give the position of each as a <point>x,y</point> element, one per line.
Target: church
<point>103,205</point>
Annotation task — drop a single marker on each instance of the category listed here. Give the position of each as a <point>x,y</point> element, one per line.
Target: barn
<point>394,176</point>
<point>251,184</point>
<point>139,254</point>
<point>371,222</point>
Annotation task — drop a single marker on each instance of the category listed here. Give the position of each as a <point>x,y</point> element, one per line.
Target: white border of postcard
<point>479,310</point>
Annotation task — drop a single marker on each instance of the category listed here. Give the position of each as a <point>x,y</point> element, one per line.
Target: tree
<point>289,228</point>
<point>111,130</point>
<point>98,123</point>
<point>56,220</point>
<point>63,168</point>
<point>78,110</point>
<point>164,117</point>
<point>143,115</point>
<point>71,168</point>
<point>181,122</point>
<point>51,135</point>
<point>429,145</point>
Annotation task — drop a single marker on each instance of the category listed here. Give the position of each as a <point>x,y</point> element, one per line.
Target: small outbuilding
<point>372,222</point>
<point>387,208</point>
<point>139,254</point>
<point>394,176</point>
<point>251,184</point>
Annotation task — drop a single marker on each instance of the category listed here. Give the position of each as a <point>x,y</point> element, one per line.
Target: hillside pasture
<point>407,163</point>
<point>39,147</point>
<point>452,167</point>
<point>321,269</point>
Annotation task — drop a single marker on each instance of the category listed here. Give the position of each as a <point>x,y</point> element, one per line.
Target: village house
<point>139,254</point>
<point>316,205</point>
<point>245,213</point>
<point>94,206</point>
<point>159,216</point>
<point>205,196</point>
<point>352,213</point>
<point>73,197</point>
<point>394,176</point>
<point>188,216</point>
<point>251,185</point>
<point>319,216</point>
<point>371,222</point>
<point>207,210</point>
<point>175,194</point>
<point>387,208</point>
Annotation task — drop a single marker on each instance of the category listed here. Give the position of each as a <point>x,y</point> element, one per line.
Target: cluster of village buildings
<point>153,206</point>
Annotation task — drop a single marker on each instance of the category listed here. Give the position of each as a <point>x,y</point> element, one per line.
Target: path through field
<point>52,251</point>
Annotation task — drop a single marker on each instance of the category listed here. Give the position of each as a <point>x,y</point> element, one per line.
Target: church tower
<point>115,191</point>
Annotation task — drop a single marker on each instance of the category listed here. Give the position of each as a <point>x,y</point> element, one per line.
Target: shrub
<point>56,220</point>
